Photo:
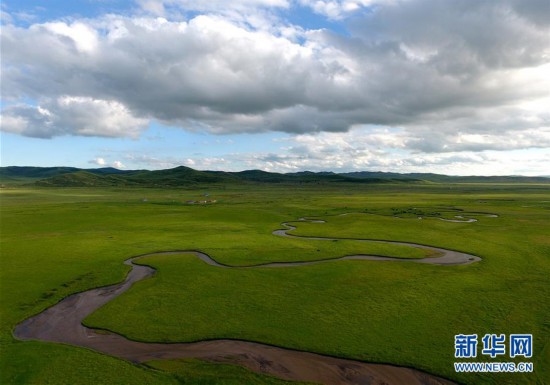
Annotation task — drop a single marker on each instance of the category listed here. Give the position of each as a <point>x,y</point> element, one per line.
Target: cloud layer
<point>367,148</point>
<point>451,75</point>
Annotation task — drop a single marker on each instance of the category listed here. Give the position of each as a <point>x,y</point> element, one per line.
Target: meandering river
<point>62,323</point>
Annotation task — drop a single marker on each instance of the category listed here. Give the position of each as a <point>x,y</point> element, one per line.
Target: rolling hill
<point>185,176</point>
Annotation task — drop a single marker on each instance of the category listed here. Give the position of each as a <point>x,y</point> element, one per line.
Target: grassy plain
<point>58,241</point>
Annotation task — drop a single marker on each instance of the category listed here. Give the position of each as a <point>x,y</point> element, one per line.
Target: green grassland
<point>57,241</point>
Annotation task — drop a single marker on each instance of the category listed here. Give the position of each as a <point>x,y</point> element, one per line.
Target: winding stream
<point>62,323</point>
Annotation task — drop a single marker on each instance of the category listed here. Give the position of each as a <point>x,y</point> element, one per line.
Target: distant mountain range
<point>449,178</point>
<point>185,176</point>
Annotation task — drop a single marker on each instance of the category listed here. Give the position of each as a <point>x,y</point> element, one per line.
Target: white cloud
<point>200,163</point>
<point>99,161</point>
<point>445,76</point>
<point>333,9</point>
<point>338,9</point>
<point>84,36</point>
<point>156,7</point>
<point>363,148</point>
<point>75,115</point>
<point>216,6</point>
<point>258,14</point>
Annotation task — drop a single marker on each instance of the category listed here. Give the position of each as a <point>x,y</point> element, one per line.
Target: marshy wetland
<point>60,241</point>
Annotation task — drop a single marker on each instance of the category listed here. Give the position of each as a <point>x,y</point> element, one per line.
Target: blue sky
<point>280,85</point>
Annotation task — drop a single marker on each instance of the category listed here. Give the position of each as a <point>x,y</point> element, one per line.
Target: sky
<point>457,87</point>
